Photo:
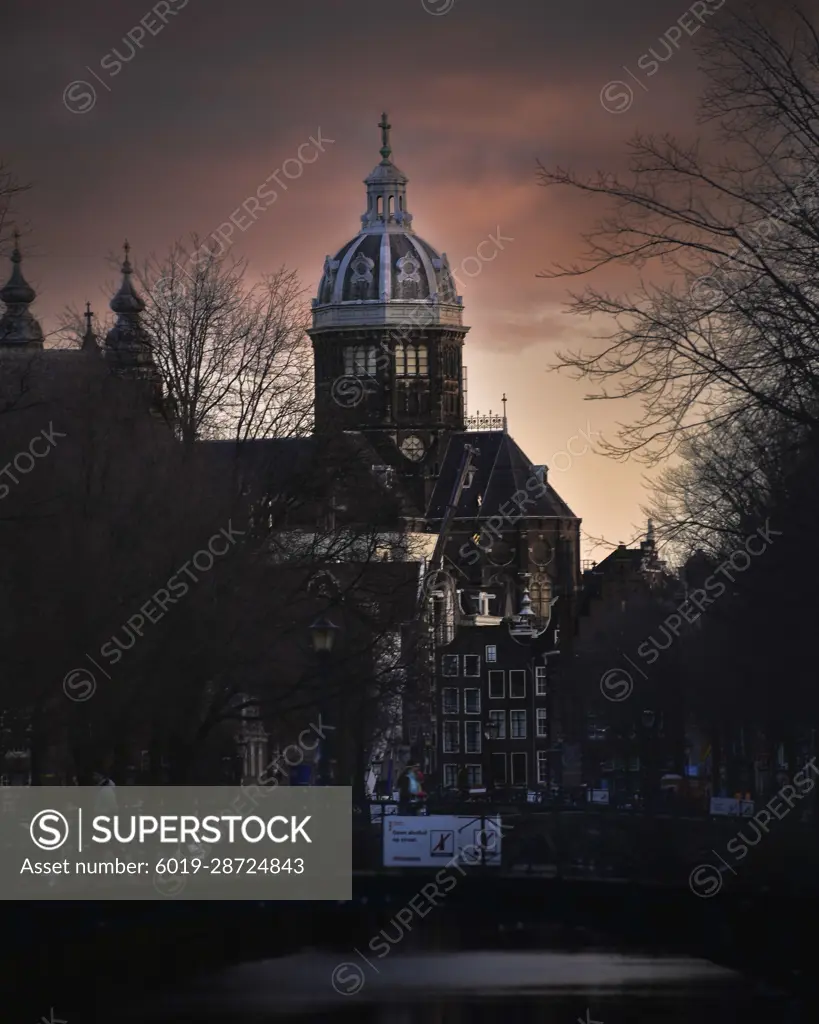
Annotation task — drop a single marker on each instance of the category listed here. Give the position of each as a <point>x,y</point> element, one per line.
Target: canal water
<point>478,986</point>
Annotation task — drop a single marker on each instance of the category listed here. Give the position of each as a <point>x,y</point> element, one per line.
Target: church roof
<point>385,267</point>
<point>386,274</point>
<point>502,470</point>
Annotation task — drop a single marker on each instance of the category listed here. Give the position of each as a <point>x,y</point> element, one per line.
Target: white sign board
<point>433,841</point>
<point>728,805</point>
<point>598,796</point>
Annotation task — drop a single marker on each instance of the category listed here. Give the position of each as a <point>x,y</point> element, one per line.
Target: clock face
<point>413,448</point>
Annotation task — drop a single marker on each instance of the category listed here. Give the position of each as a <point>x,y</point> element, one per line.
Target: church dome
<point>18,328</point>
<point>386,274</point>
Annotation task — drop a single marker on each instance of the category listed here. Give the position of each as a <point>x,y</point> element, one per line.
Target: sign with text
<point>182,842</point>
<point>434,840</point>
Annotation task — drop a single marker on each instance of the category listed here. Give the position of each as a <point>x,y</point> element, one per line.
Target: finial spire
<point>385,127</point>
<point>505,425</point>
<point>386,191</point>
<point>89,341</point>
<point>16,251</point>
<point>126,300</point>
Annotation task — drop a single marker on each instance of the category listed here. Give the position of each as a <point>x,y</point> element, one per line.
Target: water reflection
<point>480,987</point>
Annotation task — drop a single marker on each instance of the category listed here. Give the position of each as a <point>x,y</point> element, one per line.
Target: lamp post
<point>323,636</point>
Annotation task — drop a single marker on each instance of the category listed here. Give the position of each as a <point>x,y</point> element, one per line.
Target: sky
<point>154,120</point>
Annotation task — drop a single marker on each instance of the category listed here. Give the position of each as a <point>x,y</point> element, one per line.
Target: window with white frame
<point>542,723</point>
<point>497,688</point>
<point>450,776</point>
<point>474,775</point>
<point>517,683</point>
<point>499,769</point>
<point>540,680</point>
<point>542,767</point>
<point>360,360</point>
<point>518,762</point>
<point>497,725</point>
<point>472,701</point>
<point>449,700</point>
<point>517,725</point>
<point>472,665</point>
<point>449,665</point>
<point>452,737</point>
<point>472,737</point>
<point>491,653</point>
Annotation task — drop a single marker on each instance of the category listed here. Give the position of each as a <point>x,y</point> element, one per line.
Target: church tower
<point>128,347</point>
<point>388,328</point>
<point>19,329</point>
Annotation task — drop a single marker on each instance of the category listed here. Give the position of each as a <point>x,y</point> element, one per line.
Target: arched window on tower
<point>389,206</point>
<point>379,207</point>
<point>540,591</point>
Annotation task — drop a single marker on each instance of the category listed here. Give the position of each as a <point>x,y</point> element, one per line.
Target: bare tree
<point>233,356</point>
<point>724,237</point>
<point>9,188</point>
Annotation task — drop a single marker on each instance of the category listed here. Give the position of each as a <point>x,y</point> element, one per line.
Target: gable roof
<point>502,470</point>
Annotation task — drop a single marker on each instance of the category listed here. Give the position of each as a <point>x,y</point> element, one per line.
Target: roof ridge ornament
<point>89,341</point>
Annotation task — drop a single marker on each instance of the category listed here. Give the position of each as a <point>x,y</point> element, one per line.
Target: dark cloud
<point>213,103</point>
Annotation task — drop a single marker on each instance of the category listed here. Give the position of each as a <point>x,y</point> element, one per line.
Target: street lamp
<point>323,636</point>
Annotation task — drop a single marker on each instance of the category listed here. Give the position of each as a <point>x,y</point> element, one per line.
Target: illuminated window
<point>411,360</point>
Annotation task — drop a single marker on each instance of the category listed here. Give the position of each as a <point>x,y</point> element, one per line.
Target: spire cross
<point>504,412</point>
<point>88,315</point>
<point>385,127</point>
<point>15,253</point>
